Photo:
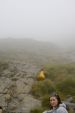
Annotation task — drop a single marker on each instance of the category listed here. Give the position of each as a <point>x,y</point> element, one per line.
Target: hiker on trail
<point>56,106</point>
<point>41,75</point>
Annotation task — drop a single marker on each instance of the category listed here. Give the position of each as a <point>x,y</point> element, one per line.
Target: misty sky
<point>38,19</point>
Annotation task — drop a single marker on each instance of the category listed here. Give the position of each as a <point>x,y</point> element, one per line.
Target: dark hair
<point>1,107</point>
<point>57,97</point>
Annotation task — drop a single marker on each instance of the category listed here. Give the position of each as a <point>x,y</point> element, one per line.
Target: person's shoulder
<point>45,112</point>
<point>62,110</point>
<point>49,111</point>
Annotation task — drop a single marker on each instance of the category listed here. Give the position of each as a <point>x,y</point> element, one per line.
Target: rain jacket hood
<point>60,109</point>
<point>63,105</point>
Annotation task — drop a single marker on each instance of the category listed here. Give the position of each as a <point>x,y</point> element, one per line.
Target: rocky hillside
<point>20,61</point>
<point>16,80</point>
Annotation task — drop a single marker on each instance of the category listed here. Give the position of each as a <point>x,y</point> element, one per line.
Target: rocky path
<point>16,81</point>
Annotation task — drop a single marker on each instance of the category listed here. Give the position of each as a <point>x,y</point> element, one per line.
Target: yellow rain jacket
<point>41,75</point>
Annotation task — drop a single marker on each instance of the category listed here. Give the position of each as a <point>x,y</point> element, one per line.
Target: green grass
<point>42,88</point>
<point>60,79</point>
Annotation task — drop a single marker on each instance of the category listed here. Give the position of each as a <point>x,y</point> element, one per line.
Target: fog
<point>45,20</point>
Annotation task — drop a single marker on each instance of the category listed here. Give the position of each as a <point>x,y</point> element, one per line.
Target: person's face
<point>53,101</point>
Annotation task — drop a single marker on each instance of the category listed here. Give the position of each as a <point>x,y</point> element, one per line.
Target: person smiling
<point>56,106</point>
